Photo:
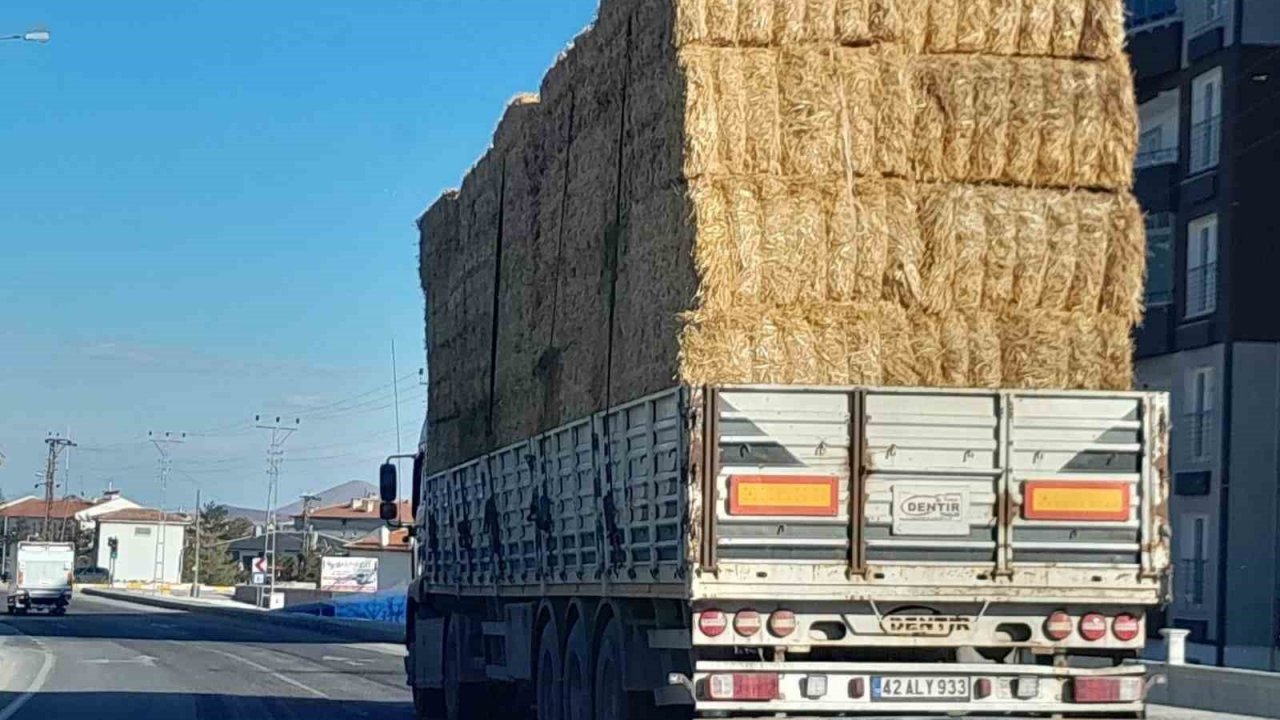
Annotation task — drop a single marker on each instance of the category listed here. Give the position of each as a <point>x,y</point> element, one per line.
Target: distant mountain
<point>257,517</point>
<point>336,495</point>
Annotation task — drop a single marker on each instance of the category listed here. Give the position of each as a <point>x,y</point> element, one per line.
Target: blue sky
<point>206,212</point>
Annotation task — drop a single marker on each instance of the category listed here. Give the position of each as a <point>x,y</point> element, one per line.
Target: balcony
<point>1155,37</point>
<point>1206,142</point>
<point>1202,290</point>
<point>1158,156</point>
<point>1145,12</point>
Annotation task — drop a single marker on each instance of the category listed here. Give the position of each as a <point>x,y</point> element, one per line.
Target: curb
<point>356,630</point>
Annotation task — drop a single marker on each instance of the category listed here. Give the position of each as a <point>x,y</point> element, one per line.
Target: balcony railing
<point>1202,290</point>
<point>1189,580</point>
<point>1195,434</point>
<point>1159,156</point>
<point>1142,12</point>
<point>1206,139</point>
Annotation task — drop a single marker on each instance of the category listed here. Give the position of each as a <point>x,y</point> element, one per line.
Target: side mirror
<point>389,511</point>
<point>388,485</point>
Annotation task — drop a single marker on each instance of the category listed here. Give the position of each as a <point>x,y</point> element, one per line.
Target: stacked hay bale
<point>899,192</point>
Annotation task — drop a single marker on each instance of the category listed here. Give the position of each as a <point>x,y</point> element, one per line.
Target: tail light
<point>1058,626</point>
<point>712,623</point>
<point>1106,690</point>
<point>19,578</point>
<point>782,623</point>
<point>743,686</point>
<point>983,688</point>
<point>746,623</point>
<point>1093,627</point>
<point>1126,627</point>
<point>857,688</point>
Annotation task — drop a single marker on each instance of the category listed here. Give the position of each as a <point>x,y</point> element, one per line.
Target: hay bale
<point>755,22</point>
<point>944,23</point>
<point>844,246</point>
<point>1103,33</point>
<point>788,22</point>
<point>1063,226</point>
<point>1005,26</point>
<point>853,22</point>
<point>1026,114</point>
<point>1086,354</point>
<point>810,111</point>
<point>746,220</point>
<point>763,118</point>
<point>972,26</point>
<point>902,282</point>
<point>927,349</point>
<point>986,368</point>
<point>992,103</point>
<point>1035,34</point>
<point>1002,248</point>
<point>701,134</point>
<point>1068,27</point>
<point>1029,275</point>
<point>721,17</point>
<point>1120,126</point>
<point>895,120</point>
<point>819,21</point>
<point>955,350</point>
<point>1125,277</point>
<point>1116,333</point>
<point>897,352</point>
<point>869,205</point>
<point>931,121</point>
<point>859,78</point>
<point>861,325</point>
<point>1034,349</point>
<point>1093,240</point>
<point>714,257</point>
<point>1057,124</point>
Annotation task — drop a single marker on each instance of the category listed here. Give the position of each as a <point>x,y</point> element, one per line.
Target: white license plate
<point>920,688</point>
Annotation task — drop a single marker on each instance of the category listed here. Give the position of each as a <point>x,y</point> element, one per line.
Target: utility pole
<point>308,502</point>
<point>280,432</point>
<point>195,580</point>
<point>57,444</point>
<point>163,442</point>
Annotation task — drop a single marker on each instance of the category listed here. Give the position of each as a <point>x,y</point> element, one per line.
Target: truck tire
<point>612,701</point>
<point>462,701</point>
<point>547,694</point>
<point>428,703</point>
<point>578,674</point>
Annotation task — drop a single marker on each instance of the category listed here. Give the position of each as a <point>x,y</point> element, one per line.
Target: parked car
<point>93,575</point>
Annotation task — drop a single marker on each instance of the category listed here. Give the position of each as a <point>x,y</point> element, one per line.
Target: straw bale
<point>1090,122</point>
<point>755,22</point>
<point>940,213</point>
<point>906,247</point>
<point>927,349</point>
<point>1093,240</point>
<point>690,19</point>
<point>1102,35</point>
<point>721,21</point>
<point>955,350</point>
<point>1086,353</point>
<point>931,122</point>
<point>831,345</point>
<point>713,254</point>
<point>944,22</point>
<point>762,118</point>
<point>1033,249</point>
<point>993,99</point>
<point>701,121</point>
<point>810,111</point>
<point>1063,225</point>
<point>972,25</point>
<point>820,20</point>
<point>732,108</point>
<point>962,122</point>
<point>1005,26</point>
<point>860,87</point>
<point>1126,272</point>
<point>895,119</point>
<point>788,22</point>
<point>853,21</point>
<point>1117,347</point>
<point>861,325</point>
<point>1068,26</point>
<point>869,206</point>
<point>1034,351</point>
<point>1120,128</point>
<point>1056,125</point>
<point>718,346</point>
<point>845,246</point>
<point>986,366</point>
<point>1002,250</point>
<point>970,227</point>
<point>1035,34</point>
<point>1026,114</point>
<point>747,224</point>
<point>898,354</point>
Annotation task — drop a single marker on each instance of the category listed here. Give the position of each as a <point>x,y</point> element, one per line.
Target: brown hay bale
<point>809,254</point>
<point>861,325</point>
<point>714,257</point>
<point>899,21</point>
<point>716,347</point>
<point>820,20</point>
<point>992,101</point>
<point>859,77</point>
<point>1035,34</point>
<point>972,25</point>
<point>940,213</point>
<point>1062,236</point>
<point>1068,25</point>
<point>970,227</point>
<point>902,282</point>
<point>1005,28</point>
<point>962,120</point>
<point>722,21</point>
<point>955,350</point>
<point>869,205</point>
<point>1034,349</point>
<point>794,248</point>
<point>1102,36</point>
<point>830,345</point>
<point>755,22</point>
<point>732,108</point>
<point>898,361</point>
<point>944,21</point>
<point>1117,347</point>
<point>926,348</point>
<point>810,112</point>
<point>1086,354</point>
<point>853,22</point>
<point>1033,249</point>
<point>843,249</point>
<point>986,368</point>
<point>1126,273</point>
<point>770,362</point>
<point>1093,238</point>
<point>929,143</point>
<point>1002,250</point>
<point>746,220</point>
<point>1090,123</point>
<point>1057,124</point>
<point>1120,131</point>
<point>1026,113</point>
<point>896,115</point>
<point>701,121</point>
<point>788,22</point>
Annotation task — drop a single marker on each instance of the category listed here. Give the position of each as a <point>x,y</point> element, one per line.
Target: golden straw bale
<point>690,20</point>
<point>1026,114</point>
<point>1033,249</point>
<point>1102,36</point>
<point>899,21</point>
<point>1120,131</point>
<point>1002,250</point>
<point>1034,351</point>
<point>986,368</point>
<point>781,274</point>
<point>845,246</point>
<point>962,120</point>
<point>788,22</point>
<point>746,220</point>
<point>713,252</point>
<point>1056,126</point>
<point>853,22</point>
<point>1090,122</point>
<point>770,362</point>
<point>1068,24</point>
<point>1126,273</point>
<point>755,22</point>
<point>1093,238</point>
<point>820,20</point>
<point>944,21</point>
<point>973,25</point>
<point>896,117</point>
<point>1086,354</point>
<point>1061,267</point>
<point>801,342</point>
<point>763,127</point>
<point>906,248</point>
<point>899,366</point>
<point>717,347</point>
<point>869,205</point>
<point>1035,34</point>
<point>859,77</point>
<point>810,110</point>
<point>940,213</point>
<point>955,350</point>
<point>993,99</point>
<point>926,348</point>
<point>1005,27</point>
<point>861,325</point>
<point>732,108</point>
<point>722,21</point>
<point>701,122</point>
<point>830,345</point>
<point>929,143</point>
<point>971,257</point>
<point>808,257</point>
<point>1117,345</point>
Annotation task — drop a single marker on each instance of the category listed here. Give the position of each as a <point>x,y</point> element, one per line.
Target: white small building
<point>111,501</point>
<point>394,554</point>
<point>138,533</point>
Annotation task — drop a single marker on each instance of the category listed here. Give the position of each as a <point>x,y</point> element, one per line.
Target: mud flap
<point>428,653</point>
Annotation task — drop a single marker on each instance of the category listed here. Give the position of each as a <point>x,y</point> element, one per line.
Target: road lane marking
<point>37,683</point>
<point>146,660</point>
<point>264,669</point>
<point>380,648</point>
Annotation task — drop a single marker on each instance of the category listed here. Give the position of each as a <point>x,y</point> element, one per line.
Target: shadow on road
<point>182,706</point>
<point>157,626</point>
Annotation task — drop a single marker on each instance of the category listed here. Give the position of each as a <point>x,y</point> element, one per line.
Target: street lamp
<point>38,36</point>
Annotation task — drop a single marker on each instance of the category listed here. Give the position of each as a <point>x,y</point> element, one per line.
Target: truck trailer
<point>43,578</point>
<point>797,551</point>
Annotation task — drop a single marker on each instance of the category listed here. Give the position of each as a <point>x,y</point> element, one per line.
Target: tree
<point>216,530</point>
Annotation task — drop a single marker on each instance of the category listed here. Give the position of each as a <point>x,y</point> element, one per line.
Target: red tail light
<point>712,623</point>
<point>1107,690</point>
<point>1093,627</point>
<point>742,686</point>
<point>983,688</point>
<point>1126,627</point>
<point>857,688</point>
<point>782,623</point>
<point>1058,626</point>
<point>746,623</point>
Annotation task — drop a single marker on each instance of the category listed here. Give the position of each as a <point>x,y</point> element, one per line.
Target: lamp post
<point>36,36</point>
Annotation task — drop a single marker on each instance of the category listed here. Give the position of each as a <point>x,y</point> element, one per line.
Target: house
<point>110,502</point>
<point>392,550</point>
<point>1206,74</point>
<point>350,520</point>
<point>25,518</point>
<point>289,543</point>
<point>150,544</point>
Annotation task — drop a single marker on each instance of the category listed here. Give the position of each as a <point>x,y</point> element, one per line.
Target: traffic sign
<point>260,565</point>
<point>259,578</point>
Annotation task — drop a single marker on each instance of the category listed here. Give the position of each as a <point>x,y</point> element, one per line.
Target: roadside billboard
<point>349,574</point>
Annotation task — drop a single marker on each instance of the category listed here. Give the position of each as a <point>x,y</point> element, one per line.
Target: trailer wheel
<point>578,672</point>
<point>613,702</point>
<point>549,675</point>
<point>462,701</point>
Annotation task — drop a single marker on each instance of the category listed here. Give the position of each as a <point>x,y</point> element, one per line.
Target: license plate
<point>1048,500</point>
<point>920,688</point>
<point>784,495</point>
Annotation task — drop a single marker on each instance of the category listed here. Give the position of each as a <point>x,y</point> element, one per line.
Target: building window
<point>1142,12</point>
<point>1202,266</point>
<point>1199,411</point>
<point>142,531</point>
<point>1152,149</point>
<point>1193,559</point>
<point>1206,120</point>
<point>1159,259</point>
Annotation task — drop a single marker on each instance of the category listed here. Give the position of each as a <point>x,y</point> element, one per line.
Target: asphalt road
<point>107,659</point>
<point>110,660</point>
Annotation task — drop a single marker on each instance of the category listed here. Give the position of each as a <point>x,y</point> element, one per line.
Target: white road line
<point>265,669</point>
<point>37,683</point>
<point>380,648</point>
